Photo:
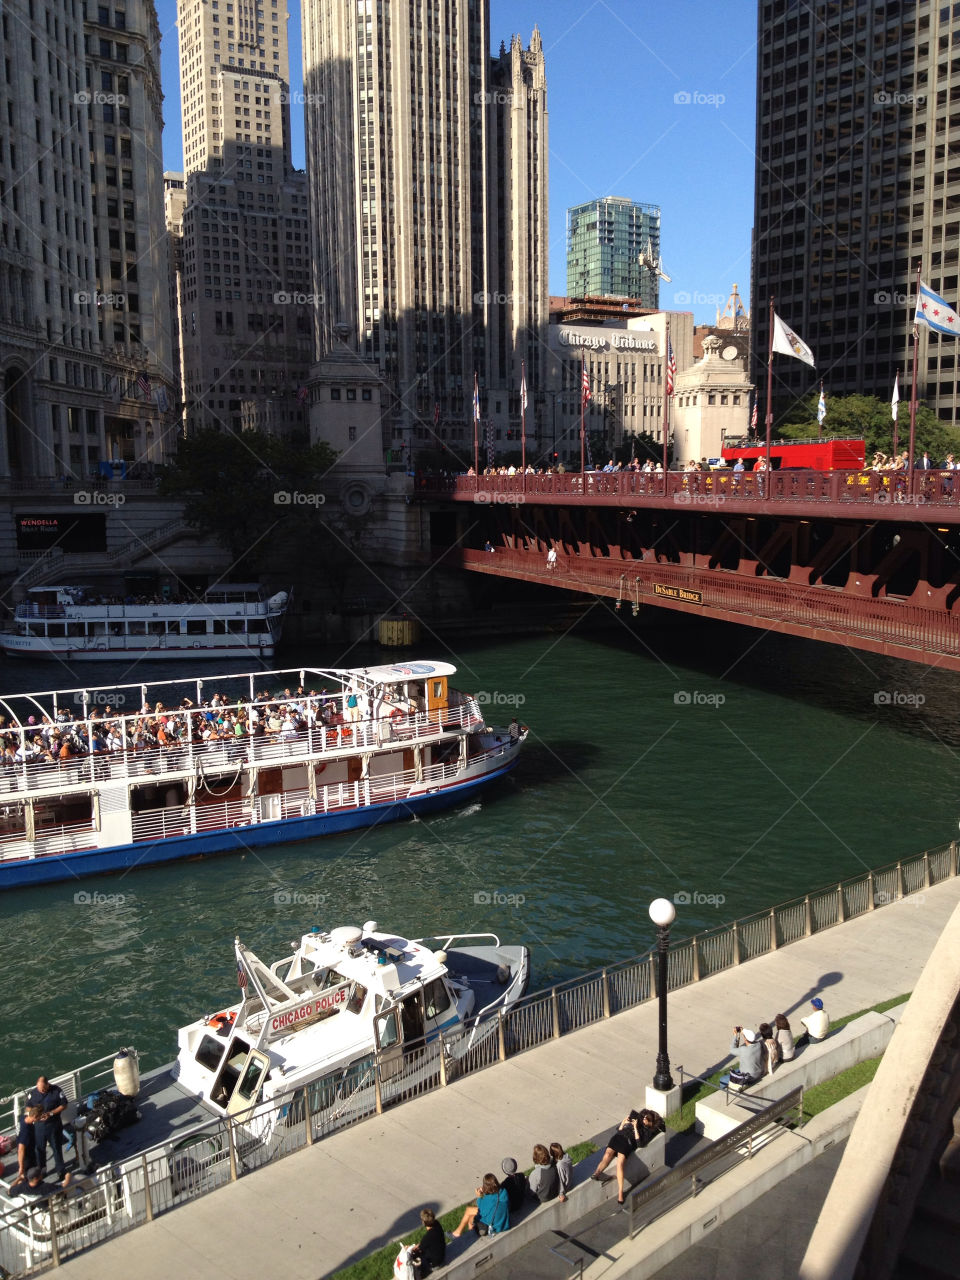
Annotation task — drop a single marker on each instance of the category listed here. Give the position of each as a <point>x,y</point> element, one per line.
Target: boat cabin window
<point>388,1030</point>
<point>436,998</point>
<point>56,630</point>
<point>210,1053</point>
<point>331,978</point>
<point>230,1073</point>
<point>412,1018</point>
<point>236,626</point>
<point>76,630</point>
<point>196,627</point>
<point>249,1086</point>
<point>357,997</point>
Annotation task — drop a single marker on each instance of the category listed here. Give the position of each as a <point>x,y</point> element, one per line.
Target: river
<point>686,758</point>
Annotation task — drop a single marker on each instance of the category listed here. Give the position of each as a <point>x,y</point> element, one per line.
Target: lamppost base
<point>663,1101</point>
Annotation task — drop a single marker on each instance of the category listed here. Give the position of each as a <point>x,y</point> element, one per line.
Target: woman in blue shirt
<point>491,1213</point>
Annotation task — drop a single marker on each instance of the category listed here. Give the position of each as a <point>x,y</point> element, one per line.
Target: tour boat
<point>228,621</point>
<point>100,780</point>
<point>350,1022</point>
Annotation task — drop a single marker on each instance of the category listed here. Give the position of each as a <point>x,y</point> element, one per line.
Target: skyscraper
<point>427,161</point>
<point>84,329</point>
<point>613,245</point>
<point>854,189</point>
<point>246,330</point>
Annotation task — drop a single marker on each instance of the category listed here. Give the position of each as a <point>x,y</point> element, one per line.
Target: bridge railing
<point>636,582</point>
<point>37,1235</point>
<point>870,488</point>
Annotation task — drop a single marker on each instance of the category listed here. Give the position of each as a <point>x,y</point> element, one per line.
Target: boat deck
<point>167,1113</point>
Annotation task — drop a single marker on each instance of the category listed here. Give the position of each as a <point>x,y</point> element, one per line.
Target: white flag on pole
<point>789,343</point>
<point>895,400</point>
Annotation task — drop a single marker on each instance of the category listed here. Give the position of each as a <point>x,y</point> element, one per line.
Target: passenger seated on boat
<point>491,1214</point>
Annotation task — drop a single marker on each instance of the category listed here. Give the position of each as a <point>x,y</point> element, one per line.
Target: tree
<point>257,495</point>
<point>866,416</point>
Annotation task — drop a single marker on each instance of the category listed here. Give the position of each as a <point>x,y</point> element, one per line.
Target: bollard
<point>841,915</point>
<point>773,928</point>
<point>808,916</point>
<point>926,871</point>
<point>871,903</point>
<point>232,1148</point>
<point>736,942</point>
<point>501,1038</point>
<point>555,1008</point>
<point>443,1062</point>
<point>605,985</point>
<point>696,960</point>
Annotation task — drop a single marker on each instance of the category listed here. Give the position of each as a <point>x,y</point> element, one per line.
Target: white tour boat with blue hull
<point>350,1022</point>
<point>88,787</point>
<point>77,624</point>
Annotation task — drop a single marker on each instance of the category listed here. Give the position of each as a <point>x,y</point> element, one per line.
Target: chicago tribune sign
<point>605,342</point>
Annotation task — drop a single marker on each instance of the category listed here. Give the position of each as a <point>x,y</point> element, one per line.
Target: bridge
<point>870,560</point>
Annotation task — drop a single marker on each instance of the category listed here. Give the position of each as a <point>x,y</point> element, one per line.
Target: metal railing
<point>222,1149</point>
<point>652,1199</point>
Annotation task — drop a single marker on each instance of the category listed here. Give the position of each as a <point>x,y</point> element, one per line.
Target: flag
<point>895,399</point>
<point>523,388</point>
<point>755,414</point>
<point>821,407</point>
<point>241,973</point>
<point>476,399</point>
<point>934,312</point>
<point>143,383</point>
<point>163,404</point>
<point>302,394</point>
<point>789,344</point>
<point>671,367</point>
<point>585,386</point>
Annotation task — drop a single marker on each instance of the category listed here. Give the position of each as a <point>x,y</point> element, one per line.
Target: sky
<point>649,101</point>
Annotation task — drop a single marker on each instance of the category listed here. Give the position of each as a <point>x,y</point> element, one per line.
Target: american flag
<point>143,382</point>
<point>671,367</point>
<point>585,385</point>
<point>302,395</point>
<point>755,414</point>
<point>241,974</point>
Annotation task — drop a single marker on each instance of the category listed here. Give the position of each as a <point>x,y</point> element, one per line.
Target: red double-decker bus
<point>811,455</point>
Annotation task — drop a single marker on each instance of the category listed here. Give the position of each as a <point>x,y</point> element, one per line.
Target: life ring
<point>396,714</point>
<point>219,1020</point>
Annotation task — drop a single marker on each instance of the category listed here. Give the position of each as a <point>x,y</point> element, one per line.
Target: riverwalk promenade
<point>304,1217</point>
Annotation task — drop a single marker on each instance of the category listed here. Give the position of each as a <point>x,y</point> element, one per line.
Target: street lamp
<point>662,913</point>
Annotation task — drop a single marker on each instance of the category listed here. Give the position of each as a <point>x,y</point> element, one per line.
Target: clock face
<point>730,352</point>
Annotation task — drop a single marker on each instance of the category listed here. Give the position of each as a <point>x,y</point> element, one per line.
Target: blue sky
<point>614,70</point>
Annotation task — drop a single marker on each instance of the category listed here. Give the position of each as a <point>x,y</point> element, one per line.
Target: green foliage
<point>820,1096</point>
<point>380,1264</point>
<point>869,417</point>
<point>233,486</point>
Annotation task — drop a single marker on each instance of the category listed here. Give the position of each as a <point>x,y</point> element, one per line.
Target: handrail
<point>731,1143</point>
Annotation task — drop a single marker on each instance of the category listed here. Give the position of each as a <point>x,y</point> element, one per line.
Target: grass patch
<point>820,1096</point>
<point>682,1121</point>
<point>380,1264</point>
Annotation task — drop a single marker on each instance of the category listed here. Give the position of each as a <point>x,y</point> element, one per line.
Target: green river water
<point>637,781</point>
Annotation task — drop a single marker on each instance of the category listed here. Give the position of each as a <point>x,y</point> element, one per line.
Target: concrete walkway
<point>313,1212</point>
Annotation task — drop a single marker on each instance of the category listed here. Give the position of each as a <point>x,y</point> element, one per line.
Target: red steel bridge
<point>865,559</point>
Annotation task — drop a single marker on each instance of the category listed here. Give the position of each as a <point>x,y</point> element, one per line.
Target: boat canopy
<point>401,672</point>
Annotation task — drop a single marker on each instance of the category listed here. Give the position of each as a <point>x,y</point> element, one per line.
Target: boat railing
<point>445,942</point>
<point>185,756</point>
<point>77,1085</point>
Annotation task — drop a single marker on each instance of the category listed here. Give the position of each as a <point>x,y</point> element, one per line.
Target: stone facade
<point>711,402</point>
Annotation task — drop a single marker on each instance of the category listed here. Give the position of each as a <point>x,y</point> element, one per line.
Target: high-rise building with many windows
<point>855,187</point>
<point>613,248</point>
<point>246,315</point>
<point>84,327</point>
<point>427,160</point>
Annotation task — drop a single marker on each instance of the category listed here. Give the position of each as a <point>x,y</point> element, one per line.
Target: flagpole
<point>666,402</point>
<point>523,423</point>
<point>583,379</point>
<point>769,391</point>
<point>913,390</point>
<point>476,440</point>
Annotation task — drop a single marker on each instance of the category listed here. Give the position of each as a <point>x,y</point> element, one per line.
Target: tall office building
<point>428,163</point>
<point>84,335</point>
<point>246,311</point>
<point>612,246</point>
<point>854,189</point>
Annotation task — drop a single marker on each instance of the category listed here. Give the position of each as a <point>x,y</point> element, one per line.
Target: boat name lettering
<point>414,669</point>
<point>332,1000</point>
<point>678,593</point>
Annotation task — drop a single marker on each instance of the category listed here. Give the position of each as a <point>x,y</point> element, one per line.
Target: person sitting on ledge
<point>747,1045</point>
<point>651,1123</point>
<point>491,1214</point>
<point>514,1183</point>
<point>430,1251</point>
<point>816,1024</point>
<point>544,1180</point>
<point>622,1143</point>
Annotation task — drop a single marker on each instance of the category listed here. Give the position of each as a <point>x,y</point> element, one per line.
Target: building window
<point>351,393</point>
<point>366,394</point>
<point>334,393</point>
